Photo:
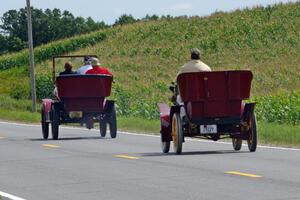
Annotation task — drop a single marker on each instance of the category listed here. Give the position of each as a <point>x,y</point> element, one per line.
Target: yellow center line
<point>243,174</point>
<point>127,157</point>
<point>50,146</point>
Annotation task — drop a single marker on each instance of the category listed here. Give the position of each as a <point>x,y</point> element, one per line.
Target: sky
<point>109,10</point>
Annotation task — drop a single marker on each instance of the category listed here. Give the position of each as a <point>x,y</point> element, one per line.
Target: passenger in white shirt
<point>194,65</point>
<point>87,66</point>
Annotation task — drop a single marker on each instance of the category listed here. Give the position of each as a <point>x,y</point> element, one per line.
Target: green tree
<point>151,17</point>
<point>15,44</point>
<point>9,44</point>
<point>3,44</point>
<point>92,25</point>
<point>125,19</point>
<point>14,24</point>
<point>48,25</point>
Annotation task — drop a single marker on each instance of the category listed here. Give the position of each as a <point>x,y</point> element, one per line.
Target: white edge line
<point>153,135</point>
<point>12,197</point>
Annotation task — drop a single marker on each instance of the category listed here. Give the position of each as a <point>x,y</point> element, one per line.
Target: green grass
<point>135,124</point>
<point>20,116</point>
<point>281,108</point>
<point>268,133</point>
<point>279,134</point>
<point>146,56</point>
<point>11,104</point>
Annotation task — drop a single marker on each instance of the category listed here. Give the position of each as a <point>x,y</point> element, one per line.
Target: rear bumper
<point>225,126</point>
<point>217,120</point>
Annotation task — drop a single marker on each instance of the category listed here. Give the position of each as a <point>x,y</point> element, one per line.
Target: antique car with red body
<point>213,107</point>
<point>84,94</point>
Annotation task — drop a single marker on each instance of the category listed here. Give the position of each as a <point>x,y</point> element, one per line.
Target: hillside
<point>146,56</point>
<point>265,40</point>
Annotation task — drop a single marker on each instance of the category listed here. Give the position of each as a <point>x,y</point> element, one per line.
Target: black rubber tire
<point>113,123</point>
<point>237,144</point>
<point>102,125</point>
<point>165,146</point>
<point>45,130</point>
<point>177,133</point>
<point>45,125</point>
<point>55,122</point>
<point>252,141</point>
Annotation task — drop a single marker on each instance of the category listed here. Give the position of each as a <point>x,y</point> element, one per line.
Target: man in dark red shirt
<point>97,69</point>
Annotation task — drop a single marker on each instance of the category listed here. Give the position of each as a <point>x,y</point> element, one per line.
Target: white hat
<point>94,61</point>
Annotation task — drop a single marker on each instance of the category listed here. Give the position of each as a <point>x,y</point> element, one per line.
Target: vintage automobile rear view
<point>212,107</point>
<point>83,94</point>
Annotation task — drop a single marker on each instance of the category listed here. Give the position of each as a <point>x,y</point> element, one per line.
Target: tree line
<point>47,25</point>
<point>50,25</point>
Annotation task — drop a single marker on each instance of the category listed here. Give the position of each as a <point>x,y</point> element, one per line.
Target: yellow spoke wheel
<point>177,134</point>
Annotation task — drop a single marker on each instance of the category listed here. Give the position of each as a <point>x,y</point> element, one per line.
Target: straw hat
<point>95,62</point>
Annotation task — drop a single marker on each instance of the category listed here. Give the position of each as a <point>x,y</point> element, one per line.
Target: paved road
<point>81,165</point>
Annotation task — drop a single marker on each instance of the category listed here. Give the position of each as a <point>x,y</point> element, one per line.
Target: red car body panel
<point>214,94</point>
<point>165,122</point>
<point>84,92</point>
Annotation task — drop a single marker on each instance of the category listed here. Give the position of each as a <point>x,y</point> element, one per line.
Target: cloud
<point>181,7</point>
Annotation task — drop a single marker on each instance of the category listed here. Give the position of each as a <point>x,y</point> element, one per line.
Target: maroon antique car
<point>212,107</point>
<point>84,94</point>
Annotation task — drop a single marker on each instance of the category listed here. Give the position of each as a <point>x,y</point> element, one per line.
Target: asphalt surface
<point>81,165</point>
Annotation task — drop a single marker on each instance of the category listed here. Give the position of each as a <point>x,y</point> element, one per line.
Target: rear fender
<point>46,108</point>
<point>175,109</point>
<point>108,106</point>
<point>248,112</point>
<point>166,114</point>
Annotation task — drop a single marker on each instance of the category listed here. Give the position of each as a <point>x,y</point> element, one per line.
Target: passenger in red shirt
<point>88,117</point>
<point>97,69</point>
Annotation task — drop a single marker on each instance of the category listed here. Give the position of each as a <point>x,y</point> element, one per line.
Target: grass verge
<point>20,116</point>
<point>268,133</point>
<point>279,134</point>
<point>132,124</point>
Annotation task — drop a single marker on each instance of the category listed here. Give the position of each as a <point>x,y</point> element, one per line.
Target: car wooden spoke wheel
<point>45,125</point>
<point>252,140</point>
<point>113,123</point>
<point>55,121</point>
<point>165,146</point>
<point>177,134</point>
<point>102,125</point>
<point>237,144</point>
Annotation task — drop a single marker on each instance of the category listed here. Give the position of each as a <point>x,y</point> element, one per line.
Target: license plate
<point>206,129</point>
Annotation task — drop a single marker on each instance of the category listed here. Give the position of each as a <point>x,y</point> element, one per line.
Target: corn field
<point>146,56</point>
